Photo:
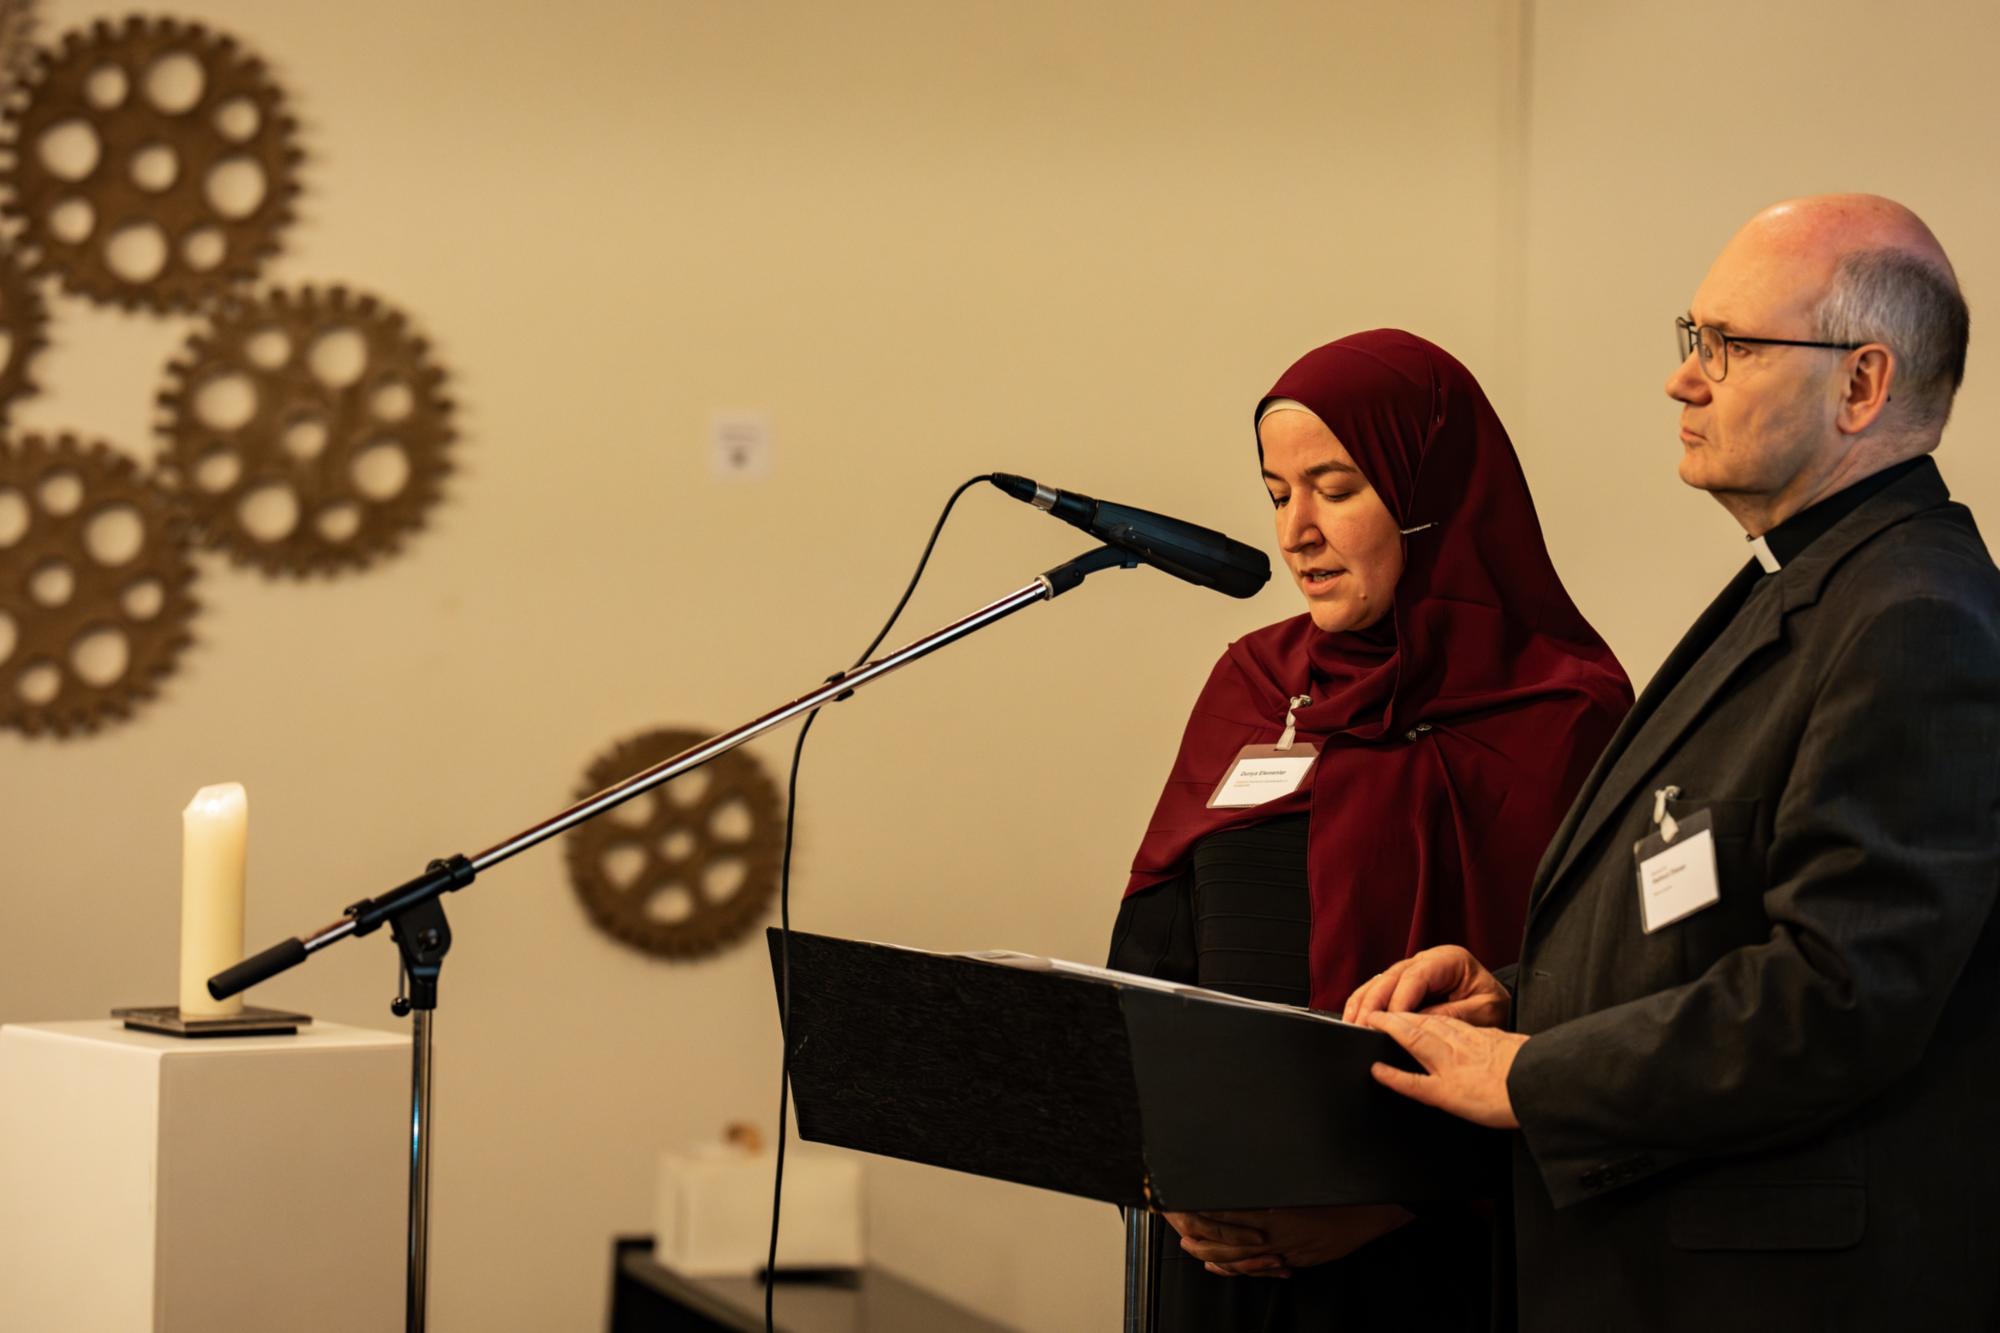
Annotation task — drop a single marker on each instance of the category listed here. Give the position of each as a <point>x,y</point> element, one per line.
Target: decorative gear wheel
<point>94,576</point>
<point>305,432</point>
<point>149,163</point>
<point>23,330</point>
<point>691,865</point>
<point>17,33</point>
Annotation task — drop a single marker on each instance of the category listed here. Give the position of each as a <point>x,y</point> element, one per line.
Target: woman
<point>1456,698</point>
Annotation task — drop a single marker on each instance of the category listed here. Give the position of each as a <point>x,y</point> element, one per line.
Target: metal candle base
<point>252,1022</point>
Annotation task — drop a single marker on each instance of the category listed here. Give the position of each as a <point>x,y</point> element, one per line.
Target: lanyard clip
<point>1298,701</point>
<point>1669,828</point>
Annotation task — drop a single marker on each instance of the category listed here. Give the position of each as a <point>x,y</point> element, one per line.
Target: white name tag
<point>1263,773</point>
<point>1677,879</point>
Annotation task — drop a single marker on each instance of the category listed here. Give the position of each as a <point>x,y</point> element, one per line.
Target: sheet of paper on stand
<point>1036,963</point>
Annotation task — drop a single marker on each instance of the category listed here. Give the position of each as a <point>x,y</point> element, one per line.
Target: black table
<point>647,1298</point>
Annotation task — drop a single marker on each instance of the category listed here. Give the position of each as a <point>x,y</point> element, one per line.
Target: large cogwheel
<point>305,432</point>
<point>94,585</point>
<point>688,867</point>
<point>149,164</point>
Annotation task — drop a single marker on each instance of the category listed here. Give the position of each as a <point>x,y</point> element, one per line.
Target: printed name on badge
<point>1263,773</point>
<point>1678,878</point>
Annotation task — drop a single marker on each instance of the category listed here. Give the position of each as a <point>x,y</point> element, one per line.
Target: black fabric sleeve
<point>1154,933</point>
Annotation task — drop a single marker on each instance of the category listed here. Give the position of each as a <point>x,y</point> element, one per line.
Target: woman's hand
<point>1233,1249</point>
<point>1275,1242</point>
<point>1469,992</point>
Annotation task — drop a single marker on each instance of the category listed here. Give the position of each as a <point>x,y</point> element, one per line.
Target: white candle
<point>215,831</point>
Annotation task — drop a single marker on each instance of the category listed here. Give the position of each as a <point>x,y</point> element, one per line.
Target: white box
<point>713,1211</point>
<point>215,1184</point>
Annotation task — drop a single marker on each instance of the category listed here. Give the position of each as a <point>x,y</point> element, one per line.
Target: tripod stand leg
<point>1141,1229</point>
<point>420,1172</point>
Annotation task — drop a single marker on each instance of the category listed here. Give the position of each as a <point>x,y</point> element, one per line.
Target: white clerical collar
<point>1762,550</point>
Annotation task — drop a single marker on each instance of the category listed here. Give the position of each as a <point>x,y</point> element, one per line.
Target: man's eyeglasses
<point>1713,345</point>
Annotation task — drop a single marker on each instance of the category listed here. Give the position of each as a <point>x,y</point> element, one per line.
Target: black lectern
<point>1149,1097</point>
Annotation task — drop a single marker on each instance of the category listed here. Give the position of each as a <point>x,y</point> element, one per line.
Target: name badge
<point>1677,871</point>
<point>1263,773</point>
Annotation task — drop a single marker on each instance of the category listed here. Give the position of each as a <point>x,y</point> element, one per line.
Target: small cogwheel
<point>23,330</point>
<point>305,432</point>
<point>94,578</point>
<point>689,866</point>
<point>149,164</point>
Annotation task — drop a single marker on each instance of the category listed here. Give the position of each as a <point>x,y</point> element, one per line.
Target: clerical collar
<point>1786,542</point>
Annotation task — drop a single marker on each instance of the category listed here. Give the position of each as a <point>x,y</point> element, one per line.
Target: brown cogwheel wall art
<point>306,432</point>
<point>24,320</point>
<point>688,867</point>
<point>94,585</point>
<point>149,163</point>
<point>17,35</point>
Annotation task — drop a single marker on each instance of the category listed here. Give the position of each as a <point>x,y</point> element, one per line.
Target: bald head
<point>1824,229</point>
<point>1858,268</point>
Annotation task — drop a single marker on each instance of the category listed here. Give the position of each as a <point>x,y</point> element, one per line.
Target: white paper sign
<point>740,445</point>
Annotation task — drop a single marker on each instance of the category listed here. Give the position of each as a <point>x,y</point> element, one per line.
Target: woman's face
<point>1339,539</point>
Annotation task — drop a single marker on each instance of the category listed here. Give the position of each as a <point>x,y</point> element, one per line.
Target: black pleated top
<point>1240,921</point>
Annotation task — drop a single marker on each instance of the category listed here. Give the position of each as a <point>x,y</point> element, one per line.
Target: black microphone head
<point>1200,555</point>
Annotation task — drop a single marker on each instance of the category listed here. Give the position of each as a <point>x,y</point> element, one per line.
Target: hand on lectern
<point>1275,1242</point>
<point>1462,988</point>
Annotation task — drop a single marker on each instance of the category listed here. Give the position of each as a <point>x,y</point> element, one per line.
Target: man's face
<point>1770,422</point>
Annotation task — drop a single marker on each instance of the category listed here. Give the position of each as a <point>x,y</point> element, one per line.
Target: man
<point>1753,1043</point>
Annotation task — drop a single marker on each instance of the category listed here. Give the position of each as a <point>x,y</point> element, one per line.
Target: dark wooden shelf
<point>647,1298</point>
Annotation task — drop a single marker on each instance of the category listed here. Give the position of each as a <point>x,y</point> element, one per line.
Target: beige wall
<point>1654,130</point>
<point>930,240</point>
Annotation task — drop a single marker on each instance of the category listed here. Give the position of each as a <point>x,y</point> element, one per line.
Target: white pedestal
<point>221,1184</point>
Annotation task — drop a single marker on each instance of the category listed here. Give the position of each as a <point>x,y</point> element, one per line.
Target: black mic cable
<point>785,902</point>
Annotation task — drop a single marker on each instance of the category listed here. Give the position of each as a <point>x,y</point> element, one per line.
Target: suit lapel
<point>1714,646</point>
<point>1726,636</point>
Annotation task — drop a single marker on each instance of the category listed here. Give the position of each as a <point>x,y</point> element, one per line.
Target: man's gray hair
<point>1893,297</point>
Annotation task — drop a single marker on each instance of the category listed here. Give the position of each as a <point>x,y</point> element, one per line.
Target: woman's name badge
<point>1676,866</point>
<point>1263,773</point>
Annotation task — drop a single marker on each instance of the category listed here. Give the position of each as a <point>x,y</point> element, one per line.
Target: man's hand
<point>1465,1066</point>
<point>1274,1242</point>
<point>1467,990</point>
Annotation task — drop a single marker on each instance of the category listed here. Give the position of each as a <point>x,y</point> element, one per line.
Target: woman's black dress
<point>1240,921</point>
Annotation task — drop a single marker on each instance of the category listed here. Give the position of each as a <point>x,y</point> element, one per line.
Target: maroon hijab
<point>1454,732</point>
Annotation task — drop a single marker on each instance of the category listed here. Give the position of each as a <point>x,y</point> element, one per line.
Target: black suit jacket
<point>1784,1110</point>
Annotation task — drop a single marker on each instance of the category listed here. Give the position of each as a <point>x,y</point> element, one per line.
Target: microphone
<point>1199,555</point>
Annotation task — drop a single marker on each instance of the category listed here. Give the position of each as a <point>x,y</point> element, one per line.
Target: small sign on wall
<point>740,445</point>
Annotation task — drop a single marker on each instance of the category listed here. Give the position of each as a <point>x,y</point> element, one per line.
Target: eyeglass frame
<point>1691,342</point>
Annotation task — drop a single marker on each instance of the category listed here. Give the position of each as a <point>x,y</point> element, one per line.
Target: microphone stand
<point>415,915</point>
